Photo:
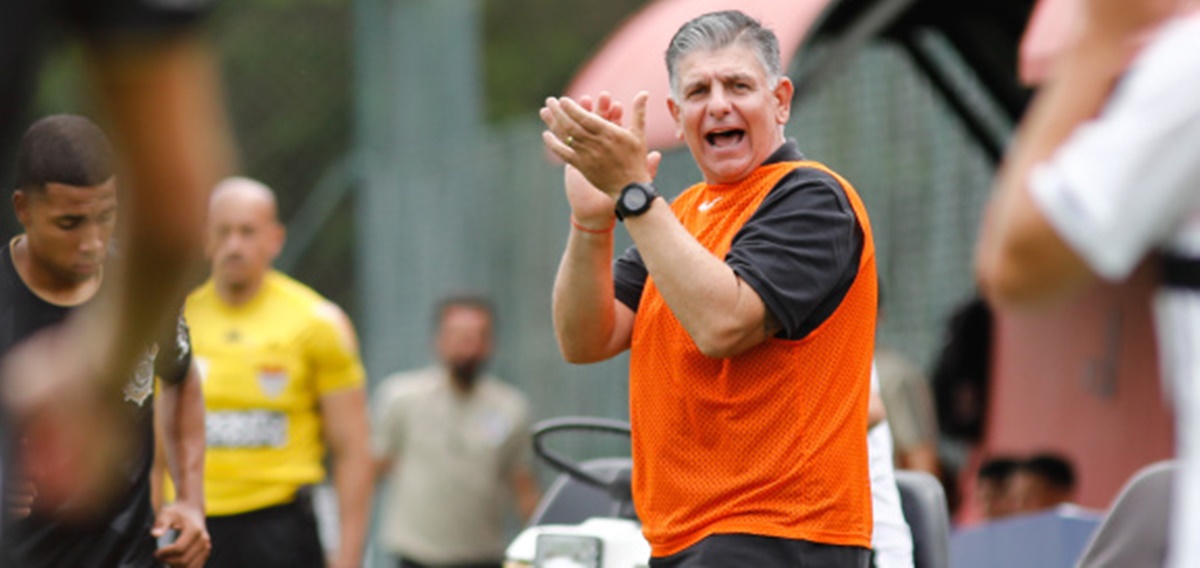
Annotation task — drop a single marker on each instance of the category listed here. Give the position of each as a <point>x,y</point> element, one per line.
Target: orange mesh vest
<point>771,442</point>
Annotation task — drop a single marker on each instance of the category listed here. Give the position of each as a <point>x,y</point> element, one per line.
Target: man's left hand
<point>609,155</point>
<point>191,549</point>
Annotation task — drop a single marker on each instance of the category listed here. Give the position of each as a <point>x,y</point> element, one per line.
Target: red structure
<point>1083,380</point>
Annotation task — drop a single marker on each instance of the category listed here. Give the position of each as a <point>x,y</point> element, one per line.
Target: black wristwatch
<point>635,199</point>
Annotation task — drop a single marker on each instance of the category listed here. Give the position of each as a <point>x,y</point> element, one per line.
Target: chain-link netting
<point>878,122</point>
<point>484,211</point>
<point>922,178</point>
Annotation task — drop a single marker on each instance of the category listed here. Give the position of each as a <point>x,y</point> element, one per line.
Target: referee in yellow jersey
<point>283,383</point>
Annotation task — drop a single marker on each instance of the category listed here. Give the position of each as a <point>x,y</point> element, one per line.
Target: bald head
<point>244,237</point>
<point>245,192</point>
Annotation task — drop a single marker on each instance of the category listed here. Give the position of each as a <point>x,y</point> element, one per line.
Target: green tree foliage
<point>534,47</point>
<point>287,69</point>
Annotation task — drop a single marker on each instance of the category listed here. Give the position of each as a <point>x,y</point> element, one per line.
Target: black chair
<point>570,501</point>
<point>924,503</point>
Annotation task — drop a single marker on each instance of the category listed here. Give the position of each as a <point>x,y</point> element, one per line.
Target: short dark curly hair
<point>1056,470</point>
<point>64,148</point>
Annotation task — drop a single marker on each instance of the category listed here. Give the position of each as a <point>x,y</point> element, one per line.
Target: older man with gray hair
<point>747,304</point>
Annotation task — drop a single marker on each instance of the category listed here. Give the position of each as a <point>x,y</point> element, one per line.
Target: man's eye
<point>68,224</point>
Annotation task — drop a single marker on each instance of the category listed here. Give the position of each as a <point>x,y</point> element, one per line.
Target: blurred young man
<point>154,77</point>
<point>748,306</point>
<point>454,444</point>
<point>283,382</point>
<point>1105,173</point>
<point>66,200</point>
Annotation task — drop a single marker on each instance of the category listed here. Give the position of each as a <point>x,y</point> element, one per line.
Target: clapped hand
<point>609,155</point>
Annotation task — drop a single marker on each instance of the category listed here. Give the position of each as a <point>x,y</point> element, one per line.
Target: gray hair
<point>718,30</point>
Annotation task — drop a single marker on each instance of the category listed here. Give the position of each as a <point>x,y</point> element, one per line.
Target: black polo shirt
<point>799,251</point>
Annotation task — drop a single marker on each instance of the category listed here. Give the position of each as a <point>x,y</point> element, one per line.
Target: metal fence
<point>465,206</point>
<point>877,123</point>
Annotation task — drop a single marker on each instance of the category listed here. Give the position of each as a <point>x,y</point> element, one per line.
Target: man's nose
<point>93,239</point>
<point>232,243</point>
<point>718,103</point>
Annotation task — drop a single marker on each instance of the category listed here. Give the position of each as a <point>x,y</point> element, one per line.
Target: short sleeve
<point>518,448</point>
<point>800,250</point>
<point>629,278</point>
<point>387,420</point>
<point>174,357</point>
<point>1123,182</point>
<point>333,348</point>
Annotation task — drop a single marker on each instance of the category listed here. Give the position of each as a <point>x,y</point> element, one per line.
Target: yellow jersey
<point>265,366</point>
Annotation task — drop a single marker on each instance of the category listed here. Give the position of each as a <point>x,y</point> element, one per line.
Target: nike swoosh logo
<point>709,204</point>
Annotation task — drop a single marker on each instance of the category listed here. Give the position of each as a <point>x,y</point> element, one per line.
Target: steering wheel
<point>618,488</point>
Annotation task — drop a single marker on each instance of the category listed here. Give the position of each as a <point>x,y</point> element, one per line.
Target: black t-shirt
<point>799,251</point>
<point>122,538</point>
<point>25,27</point>
<point>25,30</point>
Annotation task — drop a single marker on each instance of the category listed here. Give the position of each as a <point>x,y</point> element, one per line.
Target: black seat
<point>569,501</point>
<point>924,503</point>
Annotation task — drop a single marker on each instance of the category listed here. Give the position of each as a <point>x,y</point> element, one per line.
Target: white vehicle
<point>586,518</point>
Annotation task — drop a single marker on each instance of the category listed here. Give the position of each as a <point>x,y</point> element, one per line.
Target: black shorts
<point>729,550</point>
<point>276,537</point>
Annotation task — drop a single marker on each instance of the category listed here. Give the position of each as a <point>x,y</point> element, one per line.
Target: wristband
<point>576,224</point>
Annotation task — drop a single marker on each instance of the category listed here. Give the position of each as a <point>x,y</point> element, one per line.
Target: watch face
<point>634,199</point>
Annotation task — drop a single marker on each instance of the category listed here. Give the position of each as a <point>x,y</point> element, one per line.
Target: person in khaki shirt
<point>453,444</point>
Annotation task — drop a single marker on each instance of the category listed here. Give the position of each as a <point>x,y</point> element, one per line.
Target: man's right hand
<point>192,545</point>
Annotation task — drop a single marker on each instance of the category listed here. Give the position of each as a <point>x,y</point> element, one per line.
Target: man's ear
<point>783,97</point>
<point>278,238</point>
<point>210,244</point>
<point>675,115</point>
<point>20,201</point>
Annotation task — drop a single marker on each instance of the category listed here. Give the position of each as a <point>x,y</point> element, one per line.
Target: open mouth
<point>725,138</point>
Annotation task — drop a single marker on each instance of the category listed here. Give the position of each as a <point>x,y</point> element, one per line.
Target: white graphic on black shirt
<point>139,388</point>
